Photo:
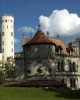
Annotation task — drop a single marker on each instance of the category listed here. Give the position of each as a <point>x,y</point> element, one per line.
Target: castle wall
<point>39,57</point>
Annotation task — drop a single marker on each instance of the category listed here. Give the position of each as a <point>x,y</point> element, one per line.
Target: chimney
<point>47,34</point>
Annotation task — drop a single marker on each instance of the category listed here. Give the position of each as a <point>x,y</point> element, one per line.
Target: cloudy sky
<point>60,17</point>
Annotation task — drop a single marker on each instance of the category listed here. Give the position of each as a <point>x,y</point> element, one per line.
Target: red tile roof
<point>40,37</point>
<point>58,41</point>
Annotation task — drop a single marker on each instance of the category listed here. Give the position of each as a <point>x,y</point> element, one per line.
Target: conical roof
<point>40,38</point>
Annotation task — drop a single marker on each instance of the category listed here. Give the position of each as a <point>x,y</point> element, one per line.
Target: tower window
<point>12,49</point>
<point>6,20</point>
<point>2,42</point>
<point>2,33</point>
<point>3,50</point>
<point>11,33</point>
<point>7,26</point>
<point>11,42</point>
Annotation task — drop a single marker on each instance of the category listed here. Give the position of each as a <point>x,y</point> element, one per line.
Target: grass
<point>18,93</point>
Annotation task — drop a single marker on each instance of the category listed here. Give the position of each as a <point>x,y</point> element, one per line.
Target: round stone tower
<point>7,36</point>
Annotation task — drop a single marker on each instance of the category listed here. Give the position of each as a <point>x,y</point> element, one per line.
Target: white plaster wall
<point>7,28</point>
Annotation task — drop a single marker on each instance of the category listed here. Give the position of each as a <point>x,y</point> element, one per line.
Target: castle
<point>42,57</point>
<point>46,58</point>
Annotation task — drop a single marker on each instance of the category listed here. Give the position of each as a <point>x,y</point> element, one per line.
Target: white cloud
<point>16,40</point>
<point>60,22</point>
<point>26,29</point>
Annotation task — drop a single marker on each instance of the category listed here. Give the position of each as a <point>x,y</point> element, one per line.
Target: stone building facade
<point>45,58</point>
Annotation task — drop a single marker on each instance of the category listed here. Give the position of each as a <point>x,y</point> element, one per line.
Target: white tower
<point>7,36</point>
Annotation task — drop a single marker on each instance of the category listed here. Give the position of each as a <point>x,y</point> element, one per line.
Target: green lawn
<point>18,93</point>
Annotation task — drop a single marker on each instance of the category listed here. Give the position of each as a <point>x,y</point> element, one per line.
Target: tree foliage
<point>10,68</point>
<point>7,69</point>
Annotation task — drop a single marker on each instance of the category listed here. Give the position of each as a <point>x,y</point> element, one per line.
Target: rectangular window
<point>2,42</point>
<point>11,42</point>
<point>12,50</point>
<point>2,33</point>
<point>2,50</point>
<point>11,33</point>
<point>7,26</point>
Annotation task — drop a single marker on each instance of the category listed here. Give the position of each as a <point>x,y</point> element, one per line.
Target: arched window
<point>62,66</point>
<point>59,66</point>
<point>74,67</point>
<point>73,83</point>
<point>70,66</point>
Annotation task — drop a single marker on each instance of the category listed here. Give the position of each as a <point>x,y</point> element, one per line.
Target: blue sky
<point>27,14</point>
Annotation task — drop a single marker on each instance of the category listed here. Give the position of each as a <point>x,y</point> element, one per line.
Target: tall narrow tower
<point>7,36</point>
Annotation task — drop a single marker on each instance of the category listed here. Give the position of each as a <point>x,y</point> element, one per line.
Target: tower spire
<point>47,34</point>
<point>39,27</point>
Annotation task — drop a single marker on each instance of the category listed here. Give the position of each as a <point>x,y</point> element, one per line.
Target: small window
<point>12,49</point>
<point>3,50</point>
<point>74,67</point>
<point>6,20</point>
<point>7,26</point>
<point>11,42</point>
<point>73,83</point>
<point>62,66</point>
<point>70,66</point>
<point>11,33</point>
<point>59,66</point>
<point>2,33</point>
<point>2,42</point>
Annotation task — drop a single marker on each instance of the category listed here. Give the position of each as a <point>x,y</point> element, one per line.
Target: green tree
<point>2,77</point>
<point>10,68</point>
